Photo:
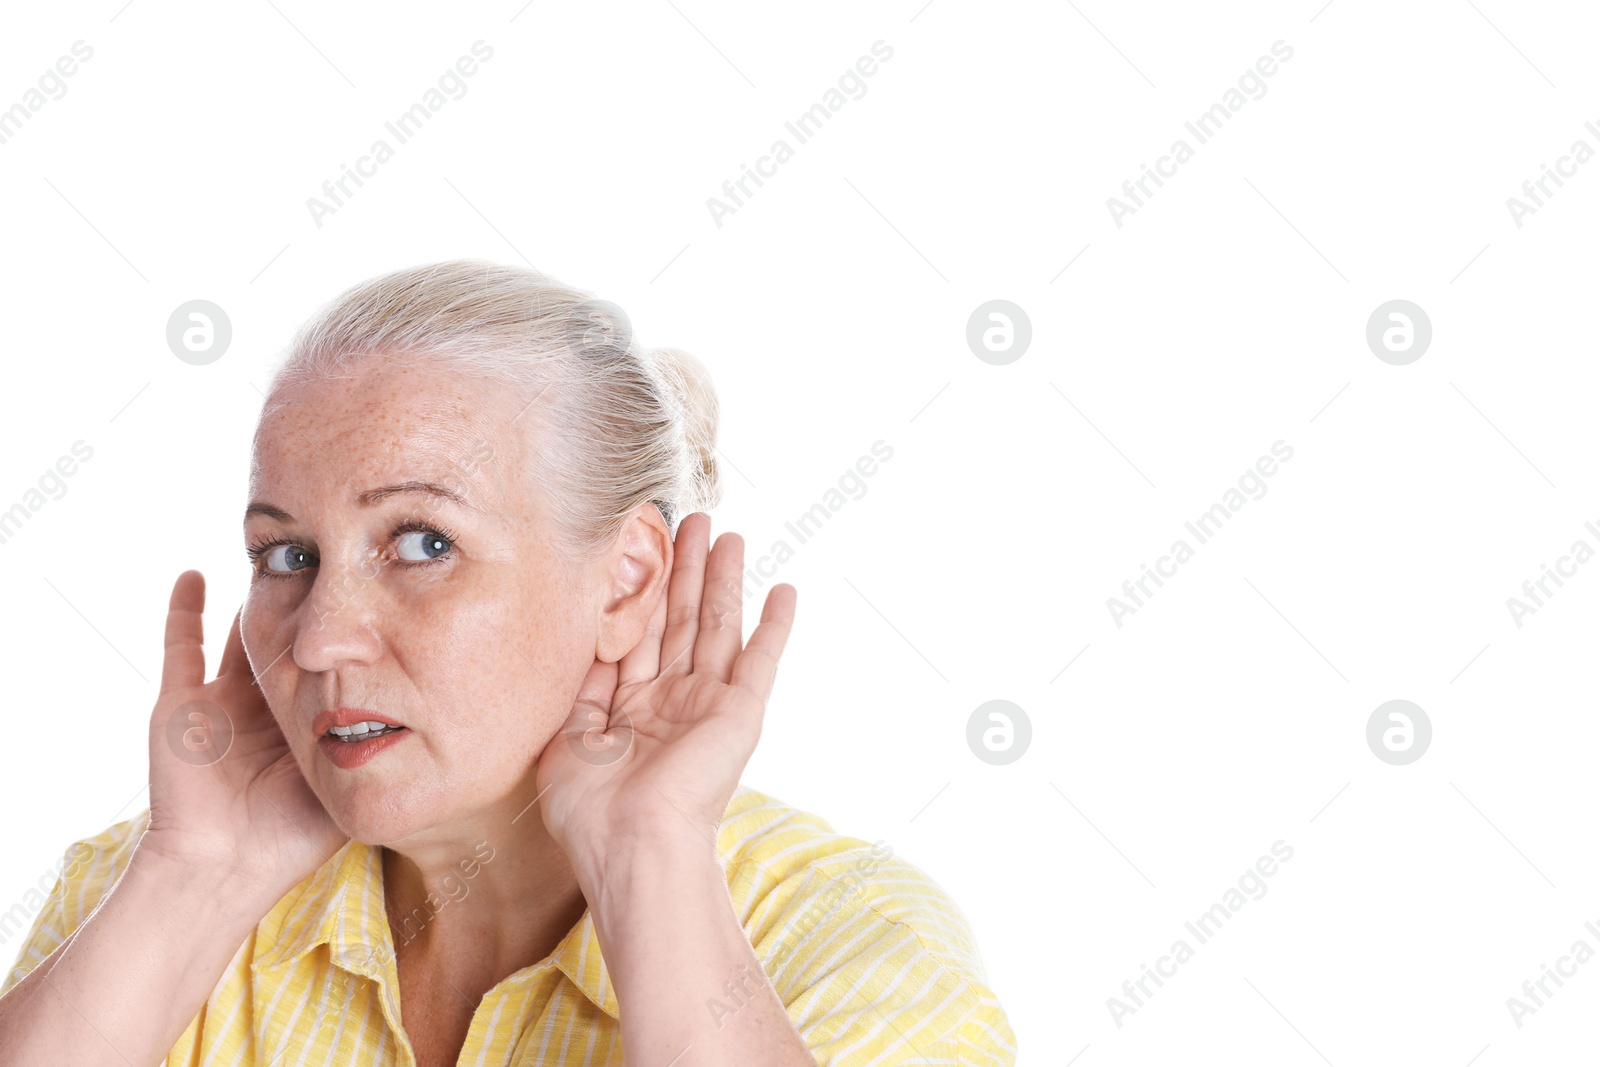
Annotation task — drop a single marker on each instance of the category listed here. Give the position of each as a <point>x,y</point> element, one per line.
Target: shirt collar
<point>341,906</point>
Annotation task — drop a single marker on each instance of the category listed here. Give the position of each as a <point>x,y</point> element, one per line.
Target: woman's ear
<point>637,570</point>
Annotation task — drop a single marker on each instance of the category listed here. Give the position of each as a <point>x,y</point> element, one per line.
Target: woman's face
<point>404,566</point>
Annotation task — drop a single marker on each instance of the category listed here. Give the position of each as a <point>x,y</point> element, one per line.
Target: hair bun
<point>691,385</point>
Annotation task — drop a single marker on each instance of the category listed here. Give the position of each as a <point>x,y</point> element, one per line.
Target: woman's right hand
<point>225,789</point>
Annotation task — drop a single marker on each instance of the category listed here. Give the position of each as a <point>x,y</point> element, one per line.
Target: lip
<point>326,720</point>
<point>347,755</point>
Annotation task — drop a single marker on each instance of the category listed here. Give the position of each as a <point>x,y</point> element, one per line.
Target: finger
<point>184,660</point>
<point>234,660</point>
<point>591,708</point>
<point>721,609</point>
<point>757,665</point>
<point>598,687</point>
<point>683,593</point>
<point>643,661</point>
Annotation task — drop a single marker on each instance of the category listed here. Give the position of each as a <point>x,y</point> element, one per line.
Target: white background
<point>1227,314</point>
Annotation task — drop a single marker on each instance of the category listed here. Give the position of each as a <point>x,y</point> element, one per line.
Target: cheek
<point>501,651</point>
<point>267,603</point>
<point>266,639</point>
<point>255,626</point>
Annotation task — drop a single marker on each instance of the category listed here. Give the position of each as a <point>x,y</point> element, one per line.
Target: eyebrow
<point>258,508</point>
<point>372,496</point>
<point>369,498</point>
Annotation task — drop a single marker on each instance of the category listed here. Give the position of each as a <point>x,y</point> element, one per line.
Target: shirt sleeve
<point>878,966</point>
<point>82,876</point>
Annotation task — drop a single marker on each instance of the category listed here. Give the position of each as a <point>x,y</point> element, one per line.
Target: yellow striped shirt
<point>875,962</point>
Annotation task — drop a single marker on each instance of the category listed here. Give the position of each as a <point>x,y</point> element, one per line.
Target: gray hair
<point>623,426</point>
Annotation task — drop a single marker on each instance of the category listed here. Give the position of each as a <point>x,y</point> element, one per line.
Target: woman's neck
<point>479,900</point>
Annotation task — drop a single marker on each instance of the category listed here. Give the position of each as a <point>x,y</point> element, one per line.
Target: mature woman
<point>465,788</point>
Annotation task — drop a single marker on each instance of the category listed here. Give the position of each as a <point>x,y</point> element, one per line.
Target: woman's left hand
<point>657,741</point>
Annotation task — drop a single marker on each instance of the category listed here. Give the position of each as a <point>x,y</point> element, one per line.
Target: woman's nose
<point>336,625</point>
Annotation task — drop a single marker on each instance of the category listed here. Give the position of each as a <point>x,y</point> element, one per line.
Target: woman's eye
<point>419,546</point>
<point>286,559</point>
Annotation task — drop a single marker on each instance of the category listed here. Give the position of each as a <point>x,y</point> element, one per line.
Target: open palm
<point>657,741</point>
<point>224,786</point>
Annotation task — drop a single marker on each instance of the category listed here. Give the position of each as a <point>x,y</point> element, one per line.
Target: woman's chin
<point>374,811</point>
<point>374,821</point>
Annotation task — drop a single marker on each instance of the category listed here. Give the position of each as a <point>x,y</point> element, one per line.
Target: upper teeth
<point>359,728</point>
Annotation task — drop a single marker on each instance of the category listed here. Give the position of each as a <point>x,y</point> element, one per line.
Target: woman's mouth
<point>357,739</point>
<point>362,730</point>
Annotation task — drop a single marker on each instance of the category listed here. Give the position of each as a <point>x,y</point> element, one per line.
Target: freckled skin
<point>478,653</point>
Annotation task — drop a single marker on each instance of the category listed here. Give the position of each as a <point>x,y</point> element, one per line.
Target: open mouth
<point>362,731</point>
<point>349,747</point>
<point>357,739</point>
